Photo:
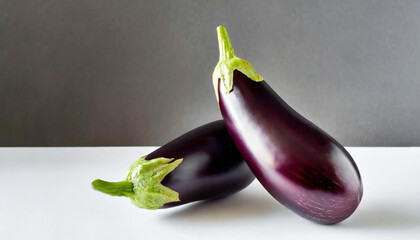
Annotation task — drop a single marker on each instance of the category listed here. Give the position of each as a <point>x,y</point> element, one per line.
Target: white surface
<point>45,193</point>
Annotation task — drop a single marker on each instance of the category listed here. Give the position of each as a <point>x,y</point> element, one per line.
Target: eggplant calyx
<point>228,63</point>
<point>143,183</point>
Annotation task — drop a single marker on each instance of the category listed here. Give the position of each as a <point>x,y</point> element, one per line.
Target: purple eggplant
<point>199,165</point>
<point>299,164</point>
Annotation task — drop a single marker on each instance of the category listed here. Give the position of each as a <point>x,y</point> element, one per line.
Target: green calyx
<point>228,63</point>
<point>143,183</point>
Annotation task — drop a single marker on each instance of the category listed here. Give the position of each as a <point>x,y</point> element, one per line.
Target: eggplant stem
<point>143,183</point>
<point>228,63</point>
<point>225,47</point>
<point>120,189</point>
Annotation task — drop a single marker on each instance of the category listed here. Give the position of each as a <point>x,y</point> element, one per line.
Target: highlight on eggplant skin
<point>299,164</point>
<point>201,164</point>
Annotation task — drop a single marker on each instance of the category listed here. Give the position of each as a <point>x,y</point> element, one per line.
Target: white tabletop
<point>45,193</point>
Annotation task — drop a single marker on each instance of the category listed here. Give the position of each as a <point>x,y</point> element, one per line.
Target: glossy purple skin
<point>299,164</point>
<point>212,166</point>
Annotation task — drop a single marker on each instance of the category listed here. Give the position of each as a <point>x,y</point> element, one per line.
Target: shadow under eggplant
<point>381,218</point>
<point>227,208</point>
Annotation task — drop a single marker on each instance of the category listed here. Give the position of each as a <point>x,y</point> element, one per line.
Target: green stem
<point>225,47</point>
<point>123,188</point>
<point>143,183</point>
<point>228,63</point>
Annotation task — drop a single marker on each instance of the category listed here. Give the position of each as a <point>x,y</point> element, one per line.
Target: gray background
<point>139,72</point>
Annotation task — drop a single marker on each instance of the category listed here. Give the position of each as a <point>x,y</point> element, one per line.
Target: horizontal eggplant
<point>202,164</point>
<point>299,164</point>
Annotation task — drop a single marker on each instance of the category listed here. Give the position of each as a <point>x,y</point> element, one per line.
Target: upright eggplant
<point>300,165</point>
<point>201,164</point>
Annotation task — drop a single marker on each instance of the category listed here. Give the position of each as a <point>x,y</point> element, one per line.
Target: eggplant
<point>299,164</point>
<point>202,164</point>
